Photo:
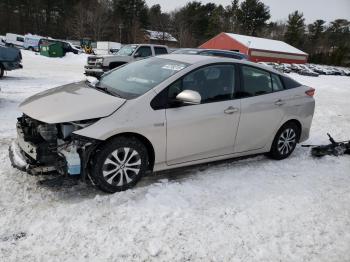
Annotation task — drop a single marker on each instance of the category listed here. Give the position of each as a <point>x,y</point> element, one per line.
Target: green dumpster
<point>52,49</point>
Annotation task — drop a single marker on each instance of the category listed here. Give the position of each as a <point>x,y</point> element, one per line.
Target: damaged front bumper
<point>31,153</point>
<point>20,161</point>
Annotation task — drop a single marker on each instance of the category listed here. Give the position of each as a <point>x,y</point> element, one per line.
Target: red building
<point>258,49</point>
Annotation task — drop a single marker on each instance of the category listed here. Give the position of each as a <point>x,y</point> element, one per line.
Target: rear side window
<point>160,50</point>
<point>276,83</point>
<point>223,54</point>
<point>256,81</point>
<point>236,57</point>
<point>290,83</point>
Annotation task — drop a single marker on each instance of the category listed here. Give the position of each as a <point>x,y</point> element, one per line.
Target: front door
<point>208,129</point>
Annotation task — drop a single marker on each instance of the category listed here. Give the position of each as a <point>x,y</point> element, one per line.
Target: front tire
<point>120,164</point>
<point>285,141</point>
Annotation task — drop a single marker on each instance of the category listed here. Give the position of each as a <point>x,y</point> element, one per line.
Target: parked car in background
<point>68,47</point>
<point>99,64</point>
<point>161,113</point>
<point>2,40</point>
<point>282,68</point>
<point>345,71</point>
<point>31,42</point>
<point>286,68</point>
<point>14,40</point>
<point>329,71</point>
<point>336,71</point>
<point>10,59</point>
<point>296,67</point>
<point>320,70</point>
<point>211,52</point>
<point>307,72</point>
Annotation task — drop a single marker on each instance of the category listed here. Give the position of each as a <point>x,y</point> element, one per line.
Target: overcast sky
<point>327,10</point>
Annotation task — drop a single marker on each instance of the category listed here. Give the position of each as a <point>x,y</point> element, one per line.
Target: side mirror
<point>189,97</point>
<point>137,54</point>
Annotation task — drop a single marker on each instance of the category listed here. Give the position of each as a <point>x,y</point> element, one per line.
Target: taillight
<point>310,92</point>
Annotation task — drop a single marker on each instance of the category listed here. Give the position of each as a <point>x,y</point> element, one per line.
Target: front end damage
<point>43,148</point>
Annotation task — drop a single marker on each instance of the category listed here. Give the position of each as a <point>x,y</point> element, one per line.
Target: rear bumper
<point>307,112</point>
<point>8,66</point>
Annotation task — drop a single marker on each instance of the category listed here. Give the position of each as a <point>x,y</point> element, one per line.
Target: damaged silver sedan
<point>161,113</point>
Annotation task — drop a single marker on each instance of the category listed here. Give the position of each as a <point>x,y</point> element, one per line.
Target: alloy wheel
<point>122,166</point>
<point>287,141</point>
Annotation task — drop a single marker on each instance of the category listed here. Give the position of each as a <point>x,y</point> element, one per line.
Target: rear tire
<point>285,141</point>
<point>2,70</point>
<point>119,164</point>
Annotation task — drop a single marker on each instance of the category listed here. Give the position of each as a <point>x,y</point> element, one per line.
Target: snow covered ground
<point>254,209</point>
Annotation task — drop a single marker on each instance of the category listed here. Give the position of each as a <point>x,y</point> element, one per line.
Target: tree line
<point>192,24</point>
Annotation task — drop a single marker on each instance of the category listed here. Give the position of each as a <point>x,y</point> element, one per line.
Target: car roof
<point>155,45</point>
<point>200,50</point>
<point>186,58</point>
<point>197,59</point>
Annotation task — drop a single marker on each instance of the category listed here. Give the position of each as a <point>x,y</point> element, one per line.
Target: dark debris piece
<point>14,237</point>
<point>60,181</point>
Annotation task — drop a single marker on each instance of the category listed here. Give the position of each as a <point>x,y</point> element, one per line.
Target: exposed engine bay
<point>44,148</point>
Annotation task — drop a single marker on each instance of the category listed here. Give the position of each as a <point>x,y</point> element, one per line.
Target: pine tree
<point>252,16</point>
<point>295,29</point>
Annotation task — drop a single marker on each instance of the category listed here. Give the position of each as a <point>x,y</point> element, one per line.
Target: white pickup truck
<point>98,65</point>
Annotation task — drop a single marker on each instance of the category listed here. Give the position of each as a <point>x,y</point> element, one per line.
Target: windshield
<point>135,79</point>
<point>127,50</point>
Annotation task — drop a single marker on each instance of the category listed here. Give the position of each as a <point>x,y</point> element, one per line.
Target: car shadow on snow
<point>15,78</point>
<point>78,189</point>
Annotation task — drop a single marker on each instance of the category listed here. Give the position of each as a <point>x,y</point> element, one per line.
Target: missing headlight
<point>48,132</point>
<point>66,129</point>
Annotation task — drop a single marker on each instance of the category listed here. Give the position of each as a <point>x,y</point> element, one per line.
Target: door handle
<point>231,110</point>
<point>279,102</point>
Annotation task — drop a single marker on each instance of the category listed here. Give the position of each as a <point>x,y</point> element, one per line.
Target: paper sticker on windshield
<point>174,67</point>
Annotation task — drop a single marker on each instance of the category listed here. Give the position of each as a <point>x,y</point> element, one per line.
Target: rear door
<point>208,129</point>
<point>262,108</point>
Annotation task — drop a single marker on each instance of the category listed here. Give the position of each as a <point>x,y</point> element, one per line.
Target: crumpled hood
<point>72,102</point>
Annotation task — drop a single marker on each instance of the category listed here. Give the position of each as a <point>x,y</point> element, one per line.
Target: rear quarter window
<point>160,50</point>
<point>290,83</point>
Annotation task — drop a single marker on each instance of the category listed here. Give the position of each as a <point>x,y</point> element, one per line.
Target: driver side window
<point>213,83</point>
<point>144,51</point>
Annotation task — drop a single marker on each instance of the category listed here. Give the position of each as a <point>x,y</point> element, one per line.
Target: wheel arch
<point>142,139</point>
<point>294,121</point>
